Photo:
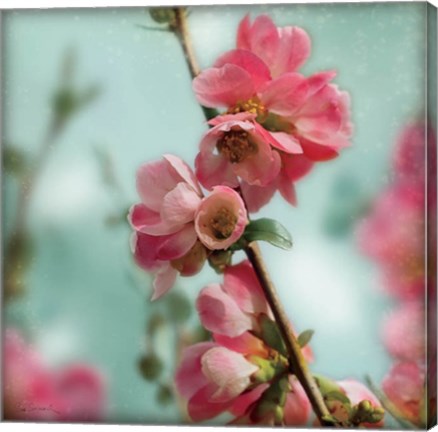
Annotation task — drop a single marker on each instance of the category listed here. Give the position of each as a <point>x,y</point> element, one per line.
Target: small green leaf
<point>305,337</point>
<point>271,335</point>
<point>164,394</point>
<point>14,160</point>
<point>339,396</point>
<point>162,15</point>
<point>150,367</point>
<point>268,230</point>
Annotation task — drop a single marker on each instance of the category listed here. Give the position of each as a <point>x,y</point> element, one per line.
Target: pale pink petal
<point>261,168</point>
<point>212,168</point>
<point>178,244</point>
<point>317,81</point>
<point>404,332</point>
<point>295,166</point>
<point>229,370</point>
<point>81,394</point>
<point>189,377</point>
<point>248,61</point>
<point>244,116</point>
<point>200,408</point>
<point>246,399</point>
<point>149,222</point>
<point>184,171</point>
<point>245,344</point>
<point>287,190</point>
<point>154,180</point>
<point>284,95</point>
<point>179,205</point>
<point>405,386</point>
<point>287,143</point>
<point>220,314</point>
<point>297,409</point>
<point>145,250</point>
<point>241,283</point>
<point>317,152</point>
<point>164,280</point>
<point>257,196</point>
<point>261,38</point>
<point>223,86</point>
<point>293,50</point>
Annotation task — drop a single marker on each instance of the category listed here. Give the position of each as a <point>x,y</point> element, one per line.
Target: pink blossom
<point>404,332</point>
<point>230,373</point>
<point>237,146</point>
<point>404,386</point>
<point>34,392</point>
<point>175,225</point>
<point>358,392</point>
<point>221,218</point>
<point>410,159</point>
<point>282,49</point>
<point>393,235</point>
<point>305,120</point>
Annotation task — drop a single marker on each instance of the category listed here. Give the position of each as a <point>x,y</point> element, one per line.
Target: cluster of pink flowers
<point>275,124</point>
<point>245,370</point>
<point>31,391</point>
<point>394,235</point>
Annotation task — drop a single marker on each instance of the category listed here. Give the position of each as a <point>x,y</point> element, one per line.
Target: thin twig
<point>299,365</point>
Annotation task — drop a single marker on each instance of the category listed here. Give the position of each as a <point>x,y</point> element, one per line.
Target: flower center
<point>236,146</point>
<point>253,106</point>
<point>223,223</point>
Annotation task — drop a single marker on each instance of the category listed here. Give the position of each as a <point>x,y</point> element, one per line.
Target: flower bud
<point>162,15</point>
<point>150,367</point>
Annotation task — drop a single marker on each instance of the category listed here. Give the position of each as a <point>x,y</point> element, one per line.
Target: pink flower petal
<point>297,409</point>
<point>179,205</point>
<point>293,50</point>
<point>145,250</point>
<point>257,196</point>
<point>316,152</point>
<point>295,166</point>
<point>219,312</point>
<point>154,180</point>
<point>229,370</point>
<point>200,408</point>
<point>149,222</point>
<point>189,377</point>
<point>81,395</point>
<point>223,86</point>
<point>213,169</point>
<point>241,283</point>
<point>287,143</point>
<point>164,280</point>
<point>183,171</point>
<point>245,344</point>
<point>246,399</point>
<point>178,244</point>
<point>404,332</point>
<point>248,61</point>
<point>287,190</point>
<point>284,95</point>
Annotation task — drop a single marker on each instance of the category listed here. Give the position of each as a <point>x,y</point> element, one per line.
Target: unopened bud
<point>162,15</point>
<point>150,367</point>
<point>220,259</point>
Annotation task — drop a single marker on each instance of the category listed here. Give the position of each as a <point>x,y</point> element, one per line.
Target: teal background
<point>85,299</point>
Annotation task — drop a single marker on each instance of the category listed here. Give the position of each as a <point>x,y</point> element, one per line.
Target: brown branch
<point>298,364</point>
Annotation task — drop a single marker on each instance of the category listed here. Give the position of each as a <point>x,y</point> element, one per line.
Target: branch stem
<point>298,364</point>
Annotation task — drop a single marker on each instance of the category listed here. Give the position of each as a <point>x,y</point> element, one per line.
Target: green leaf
<point>14,161</point>
<point>305,337</point>
<point>164,394</point>
<point>271,335</point>
<point>150,367</point>
<point>268,230</point>
<point>339,396</point>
